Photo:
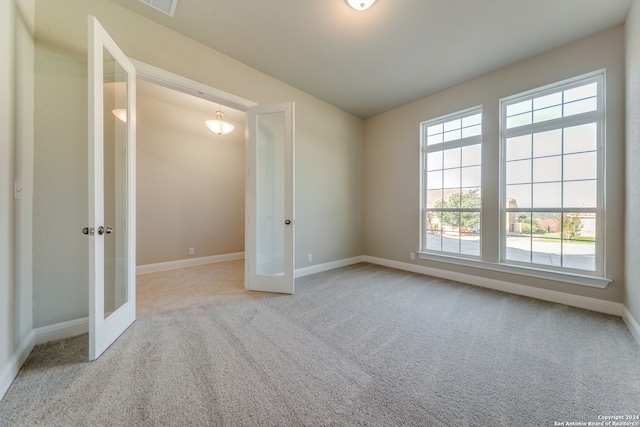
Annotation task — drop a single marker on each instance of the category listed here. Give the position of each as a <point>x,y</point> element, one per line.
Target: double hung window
<point>552,177</point>
<point>451,183</point>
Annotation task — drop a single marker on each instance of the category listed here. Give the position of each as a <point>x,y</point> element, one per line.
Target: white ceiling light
<point>360,4</point>
<point>121,114</point>
<point>218,125</point>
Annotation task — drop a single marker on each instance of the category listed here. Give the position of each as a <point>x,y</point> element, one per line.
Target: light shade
<point>360,4</point>
<point>218,125</point>
<point>121,114</point>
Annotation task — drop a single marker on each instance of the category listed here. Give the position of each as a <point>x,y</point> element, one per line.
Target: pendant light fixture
<point>360,4</point>
<point>218,125</point>
<point>121,114</point>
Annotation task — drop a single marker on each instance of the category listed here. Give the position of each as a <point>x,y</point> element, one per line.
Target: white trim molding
<point>632,324</point>
<point>587,303</point>
<point>319,268</point>
<point>189,262</point>
<point>190,87</point>
<point>11,369</point>
<point>62,330</point>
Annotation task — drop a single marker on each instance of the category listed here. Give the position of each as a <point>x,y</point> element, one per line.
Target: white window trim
<point>520,270</point>
<point>588,278</point>
<point>424,149</point>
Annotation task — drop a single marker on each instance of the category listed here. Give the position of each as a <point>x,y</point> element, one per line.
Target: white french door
<point>112,285</point>
<point>269,243</point>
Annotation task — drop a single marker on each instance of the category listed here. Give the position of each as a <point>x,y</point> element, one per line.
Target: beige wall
<point>16,156</point>
<point>60,250</point>
<point>329,144</point>
<point>190,184</point>
<point>392,153</point>
<point>7,313</point>
<point>632,221</point>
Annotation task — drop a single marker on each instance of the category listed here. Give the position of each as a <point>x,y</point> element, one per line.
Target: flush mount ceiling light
<point>360,4</point>
<point>121,114</point>
<point>218,125</point>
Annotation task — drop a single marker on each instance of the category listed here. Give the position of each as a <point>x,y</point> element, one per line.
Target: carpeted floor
<point>357,346</point>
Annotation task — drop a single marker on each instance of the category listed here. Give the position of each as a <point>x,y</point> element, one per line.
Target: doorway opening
<point>190,199</point>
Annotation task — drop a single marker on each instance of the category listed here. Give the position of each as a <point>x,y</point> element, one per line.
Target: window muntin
<point>552,177</point>
<point>451,184</point>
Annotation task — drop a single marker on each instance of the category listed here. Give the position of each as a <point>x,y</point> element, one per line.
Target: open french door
<point>269,243</point>
<point>112,285</point>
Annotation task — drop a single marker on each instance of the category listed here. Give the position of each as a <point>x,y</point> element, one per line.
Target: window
<point>552,177</point>
<point>451,183</point>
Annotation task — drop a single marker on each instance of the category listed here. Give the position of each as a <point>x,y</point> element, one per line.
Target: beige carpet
<point>357,346</point>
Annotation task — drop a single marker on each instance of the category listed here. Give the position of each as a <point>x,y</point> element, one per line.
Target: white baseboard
<point>587,303</point>
<point>632,324</point>
<point>305,271</point>
<point>189,262</point>
<point>10,370</point>
<point>58,331</point>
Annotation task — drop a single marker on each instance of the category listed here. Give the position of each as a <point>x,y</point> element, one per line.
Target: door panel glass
<point>270,203</point>
<point>115,184</point>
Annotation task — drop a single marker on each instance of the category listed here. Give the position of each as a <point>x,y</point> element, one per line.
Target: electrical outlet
<point>192,251</point>
<point>310,258</point>
<point>412,255</point>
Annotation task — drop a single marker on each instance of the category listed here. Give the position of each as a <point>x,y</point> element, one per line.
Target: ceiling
<point>391,54</point>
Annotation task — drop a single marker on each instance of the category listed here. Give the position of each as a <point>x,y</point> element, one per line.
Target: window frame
<point>599,118</point>
<point>425,149</point>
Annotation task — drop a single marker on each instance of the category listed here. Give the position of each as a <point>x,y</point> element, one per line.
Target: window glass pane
<point>547,101</point>
<point>471,176</point>
<point>579,107</point>
<point>434,198</point>
<point>434,160</point>
<point>452,158</point>
<point>547,195</point>
<point>580,138</point>
<point>451,238</point>
<point>518,108</point>
<point>471,155</point>
<point>451,178</point>
<point>546,251</point>
<point>545,114</point>
<point>580,194</point>
<point>434,180</point>
<point>471,131</point>
<point>451,199</point>
<point>434,139</point>
<point>519,147</point>
<point>476,119</point>
<point>519,196</point>
<point>518,241</point>
<point>434,239</point>
<point>581,92</point>
<point>519,120</point>
<point>451,125</point>
<point>519,172</point>
<point>546,169</point>
<point>578,233</point>
<point>548,224</point>
<point>431,130</point>
<point>470,198</point>
<point>547,143</point>
<point>452,135</point>
<point>580,166</point>
<point>470,233</point>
